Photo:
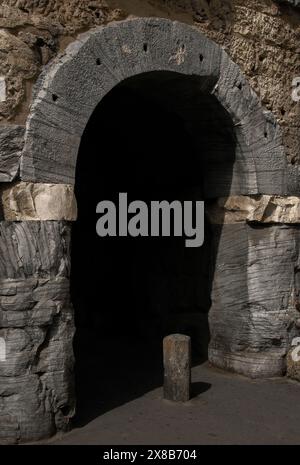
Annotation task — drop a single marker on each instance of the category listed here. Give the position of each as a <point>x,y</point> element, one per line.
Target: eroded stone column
<point>255,296</point>
<point>36,317</point>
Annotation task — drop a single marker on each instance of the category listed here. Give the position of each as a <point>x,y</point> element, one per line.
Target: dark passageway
<point>130,292</point>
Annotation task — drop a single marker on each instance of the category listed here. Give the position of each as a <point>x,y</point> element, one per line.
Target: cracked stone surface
<point>63,104</point>
<point>36,321</point>
<point>37,201</point>
<point>11,144</point>
<point>260,209</point>
<point>262,37</point>
<point>253,318</point>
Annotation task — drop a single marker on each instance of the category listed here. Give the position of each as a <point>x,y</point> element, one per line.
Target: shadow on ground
<point>112,372</point>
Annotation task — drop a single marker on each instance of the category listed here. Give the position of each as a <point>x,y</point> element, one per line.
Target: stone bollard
<point>177,367</point>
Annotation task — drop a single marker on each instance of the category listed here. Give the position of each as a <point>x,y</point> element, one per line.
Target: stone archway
<point>67,93</point>
<point>250,330</point>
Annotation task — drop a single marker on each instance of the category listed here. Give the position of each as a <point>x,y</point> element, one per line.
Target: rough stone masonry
<point>57,61</point>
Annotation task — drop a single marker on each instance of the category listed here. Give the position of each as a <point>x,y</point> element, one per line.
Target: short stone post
<point>177,367</point>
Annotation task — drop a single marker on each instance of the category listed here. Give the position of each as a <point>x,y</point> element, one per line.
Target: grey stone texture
<point>67,92</point>
<point>11,145</point>
<point>36,322</point>
<point>261,37</point>
<point>255,295</point>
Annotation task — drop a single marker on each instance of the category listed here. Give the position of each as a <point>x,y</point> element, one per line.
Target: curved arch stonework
<point>68,92</point>
<point>252,318</point>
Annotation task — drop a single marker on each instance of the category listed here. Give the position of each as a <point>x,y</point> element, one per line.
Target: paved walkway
<point>226,409</point>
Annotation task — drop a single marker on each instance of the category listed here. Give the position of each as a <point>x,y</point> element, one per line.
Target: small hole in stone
<point>98,61</point>
<point>282,111</point>
<point>240,86</point>
<point>40,42</point>
<point>265,134</point>
<point>201,57</point>
<point>54,97</point>
<point>145,47</point>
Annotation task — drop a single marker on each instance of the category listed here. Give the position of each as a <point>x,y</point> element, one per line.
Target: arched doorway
<point>154,137</point>
<point>245,336</point>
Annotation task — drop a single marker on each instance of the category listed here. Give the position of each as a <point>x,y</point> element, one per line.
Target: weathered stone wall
<point>261,36</point>
<point>36,319</point>
<point>36,322</point>
<point>256,284</point>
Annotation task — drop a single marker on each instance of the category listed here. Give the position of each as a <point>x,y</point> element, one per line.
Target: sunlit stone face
<point>2,89</point>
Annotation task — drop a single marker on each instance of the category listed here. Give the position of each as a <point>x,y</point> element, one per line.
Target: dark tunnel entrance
<point>155,137</point>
